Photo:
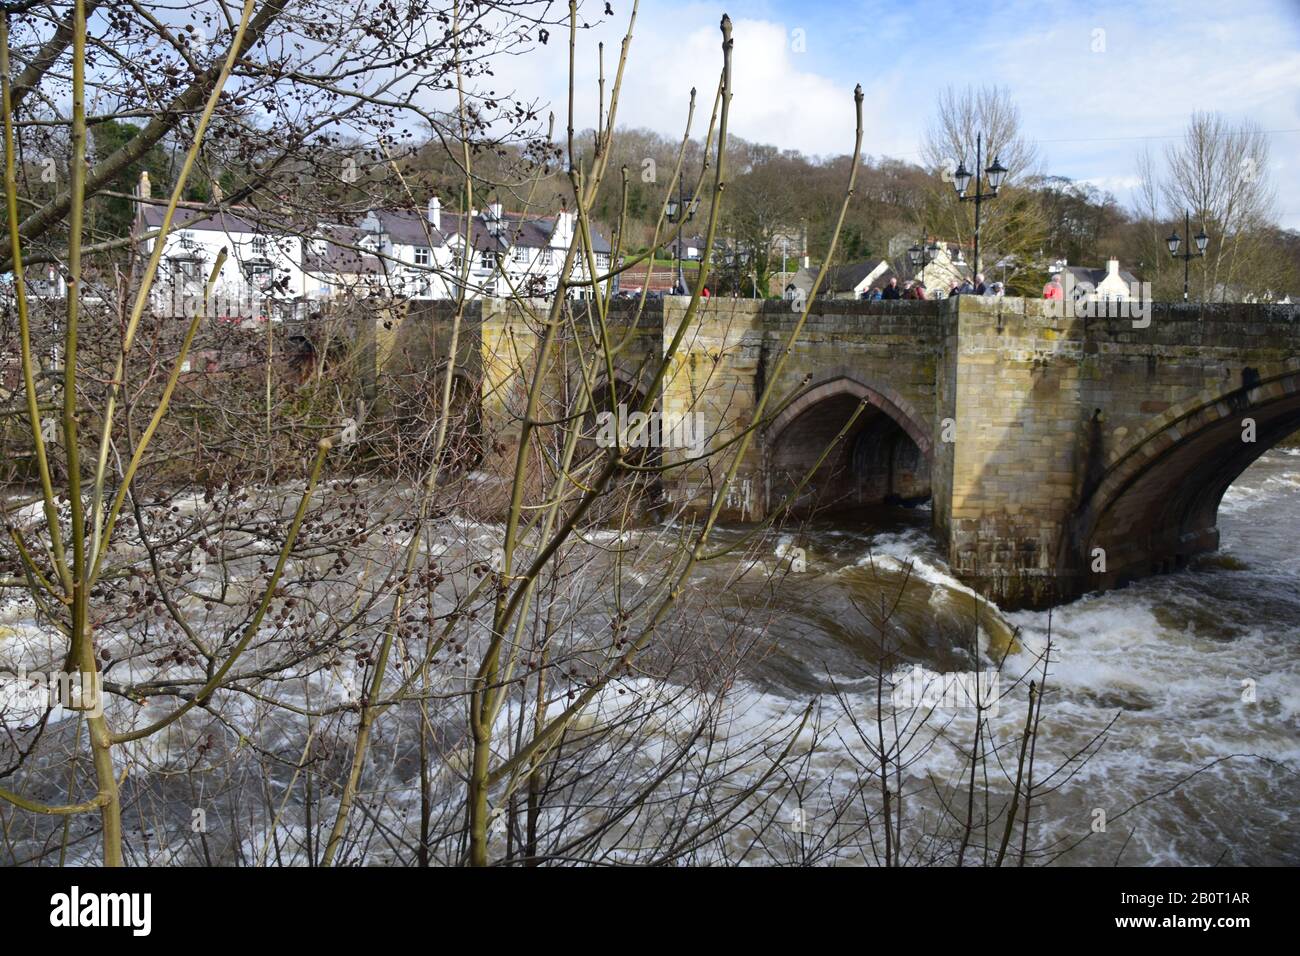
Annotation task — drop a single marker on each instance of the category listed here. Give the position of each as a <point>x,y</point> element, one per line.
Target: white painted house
<point>852,281</point>
<point>45,280</point>
<point>263,271</point>
<point>424,256</point>
<point>1111,284</point>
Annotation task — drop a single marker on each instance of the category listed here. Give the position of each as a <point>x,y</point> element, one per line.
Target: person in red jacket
<point>1053,288</point>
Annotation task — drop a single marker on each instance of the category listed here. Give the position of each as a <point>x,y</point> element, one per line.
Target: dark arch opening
<point>614,404</point>
<point>413,423</point>
<point>876,462</point>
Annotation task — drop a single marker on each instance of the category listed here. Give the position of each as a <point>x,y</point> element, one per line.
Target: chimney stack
<point>1112,267</point>
<point>563,234</point>
<point>435,213</point>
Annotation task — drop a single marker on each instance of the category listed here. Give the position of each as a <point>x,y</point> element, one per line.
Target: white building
<point>424,256</point>
<point>852,281</point>
<point>1111,284</point>
<point>263,271</point>
<point>276,268</point>
<point>45,280</point>
<point>943,265</point>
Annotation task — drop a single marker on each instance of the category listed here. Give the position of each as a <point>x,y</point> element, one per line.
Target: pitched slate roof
<point>236,219</point>
<point>404,226</point>
<point>847,278</point>
<point>341,255</point>
<point>1095,276</point>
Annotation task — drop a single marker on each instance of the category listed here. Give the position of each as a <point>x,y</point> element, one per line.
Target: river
<point>1182,691</point>
<point>1196,673</point>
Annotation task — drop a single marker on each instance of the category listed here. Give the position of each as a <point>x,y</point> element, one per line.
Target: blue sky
<point>1090,105</point>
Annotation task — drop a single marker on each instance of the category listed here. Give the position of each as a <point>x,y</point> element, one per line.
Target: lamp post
<point>961,181</point>
<point>922,257</point>
<point>679,210</point>
<point>1174,241</point>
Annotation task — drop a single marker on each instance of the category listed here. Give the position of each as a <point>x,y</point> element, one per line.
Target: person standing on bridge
<point>1053,288</point>
<point>891,289</point>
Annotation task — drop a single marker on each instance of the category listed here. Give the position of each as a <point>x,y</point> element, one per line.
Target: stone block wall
<point>1044,434</point>
<point>1054,414</point>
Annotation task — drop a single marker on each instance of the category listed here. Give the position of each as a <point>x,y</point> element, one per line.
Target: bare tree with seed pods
<point>265,572</point>
<point>329,611</point>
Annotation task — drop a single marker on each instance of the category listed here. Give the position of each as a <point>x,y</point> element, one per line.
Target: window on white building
<point>602,260</point>
<point>423,256</point>
<point>186,268</point>
<point>487,259</point>
<point>260,275</point>
<point>259,245</point>
<point>519,254</point>
<point>544,258</point>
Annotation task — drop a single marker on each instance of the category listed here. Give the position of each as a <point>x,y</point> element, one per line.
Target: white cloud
<point>1113,184</point>
<point>1090,110</point>
<point>779,95</point>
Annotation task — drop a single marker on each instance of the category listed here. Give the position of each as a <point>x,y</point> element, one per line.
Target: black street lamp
<point>922,257</point>
<point>996,173</point>
<point>681,210</point>
<point>1174,241</point>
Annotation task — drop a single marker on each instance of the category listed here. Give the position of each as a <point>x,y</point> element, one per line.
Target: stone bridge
<point>1062,453</point>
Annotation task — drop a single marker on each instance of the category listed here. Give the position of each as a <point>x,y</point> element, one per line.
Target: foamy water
<point>1182,691</point>
<point>1196,674</point>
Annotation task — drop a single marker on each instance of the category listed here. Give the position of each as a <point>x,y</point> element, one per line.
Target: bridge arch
<point>884,456</point>
<point>1155,504</point>
<point>628,383</point>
